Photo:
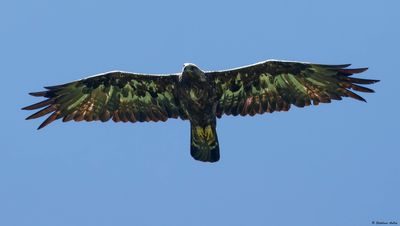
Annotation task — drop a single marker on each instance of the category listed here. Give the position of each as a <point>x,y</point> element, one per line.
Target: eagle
<point>199,96</point>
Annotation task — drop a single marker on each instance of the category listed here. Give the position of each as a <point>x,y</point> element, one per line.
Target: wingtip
<point>364,100</point>
<point>343,65</point>
<point>362,69</point>
<point>38,94</point>
<point>351,71</point>
<point>40,127</point>
<point>45,123</point>
<point>334,66</point>
<point>361,99</point>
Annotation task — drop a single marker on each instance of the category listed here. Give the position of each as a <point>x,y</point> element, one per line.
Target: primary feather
<point>121,96</point>
<point>276,85</point>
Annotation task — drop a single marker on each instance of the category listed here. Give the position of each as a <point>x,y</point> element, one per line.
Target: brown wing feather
<point>122,96</point>
<point>275,85</point>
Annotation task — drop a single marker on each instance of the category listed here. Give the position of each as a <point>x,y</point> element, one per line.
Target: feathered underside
<point>275,85</point>
<point>263,87</point>
<point>122,96</point>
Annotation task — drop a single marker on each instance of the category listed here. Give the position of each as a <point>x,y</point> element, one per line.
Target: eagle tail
<point>204,143</point>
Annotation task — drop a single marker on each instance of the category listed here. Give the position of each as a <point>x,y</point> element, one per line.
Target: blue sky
<point>335,164</point>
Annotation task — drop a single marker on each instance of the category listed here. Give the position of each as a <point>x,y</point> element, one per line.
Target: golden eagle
<point>199,96</point>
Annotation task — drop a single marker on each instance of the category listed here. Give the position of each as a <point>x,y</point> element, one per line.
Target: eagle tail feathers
<point>204,143</point>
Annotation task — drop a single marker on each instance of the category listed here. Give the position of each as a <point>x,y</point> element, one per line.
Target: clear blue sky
<point>335,164</point>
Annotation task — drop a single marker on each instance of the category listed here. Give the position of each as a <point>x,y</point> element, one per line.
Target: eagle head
<point>191,71</point>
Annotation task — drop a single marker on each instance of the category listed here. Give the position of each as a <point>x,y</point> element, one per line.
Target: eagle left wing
<point>122,96</point>
<point>275,85</point>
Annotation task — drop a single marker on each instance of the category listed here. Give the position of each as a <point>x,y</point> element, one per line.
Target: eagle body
<point>199,100</point>
<point>199,96</point>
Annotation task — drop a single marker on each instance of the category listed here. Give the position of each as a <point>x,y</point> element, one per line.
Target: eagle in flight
<point>199,96</point>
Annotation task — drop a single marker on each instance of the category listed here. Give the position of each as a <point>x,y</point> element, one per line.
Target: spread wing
<point>122,96</point>
<point>275,85</point>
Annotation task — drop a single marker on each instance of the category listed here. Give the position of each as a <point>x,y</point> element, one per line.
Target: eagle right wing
<point>122,96</point>
<point>275,85</point>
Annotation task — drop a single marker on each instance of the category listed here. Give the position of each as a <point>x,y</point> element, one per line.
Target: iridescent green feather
<point>118,95</point>
<point>275,85</point>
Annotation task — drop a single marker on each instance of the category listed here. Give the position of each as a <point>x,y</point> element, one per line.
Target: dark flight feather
<point>122,96</point>
<point>279,84</point>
